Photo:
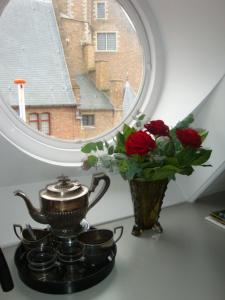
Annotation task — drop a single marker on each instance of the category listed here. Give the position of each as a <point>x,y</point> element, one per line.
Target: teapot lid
<point>63,189</point>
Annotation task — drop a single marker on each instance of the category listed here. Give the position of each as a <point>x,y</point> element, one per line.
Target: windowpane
<point>88,120</point>
<point>34,125</point>
<point>44,123</point>
<point>101,41</point>
<point>33,117</point>
<point>44,116</point>
<point>33,121</point>
<point>111,41</point>
<point>44,127</point>
<point>101,10</point>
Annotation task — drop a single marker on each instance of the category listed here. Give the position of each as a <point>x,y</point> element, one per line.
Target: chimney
<point>89,57</point>
<point>116,93</point>
<point>102,75</point>
<point>22,110</point>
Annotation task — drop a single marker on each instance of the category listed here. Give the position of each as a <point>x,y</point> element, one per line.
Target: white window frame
<point>96,10</point>
<point>105,32</point>
<point>67,153</point>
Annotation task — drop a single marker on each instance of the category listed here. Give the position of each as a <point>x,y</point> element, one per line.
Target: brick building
<point>100,44</point>
<point>77,57</point>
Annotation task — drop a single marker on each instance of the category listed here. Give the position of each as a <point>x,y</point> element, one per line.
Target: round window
<point>71,71</point>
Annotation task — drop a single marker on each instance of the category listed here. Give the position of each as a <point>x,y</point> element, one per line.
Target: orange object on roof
<point>19,81</point>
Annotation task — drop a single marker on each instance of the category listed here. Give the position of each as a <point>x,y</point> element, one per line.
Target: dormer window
<point>100,10</point>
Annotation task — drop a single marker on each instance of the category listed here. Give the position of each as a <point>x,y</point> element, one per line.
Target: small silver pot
<point>41,237</point>
<point>97,244</point>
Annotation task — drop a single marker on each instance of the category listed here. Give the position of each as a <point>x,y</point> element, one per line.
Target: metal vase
<point>147,198</point>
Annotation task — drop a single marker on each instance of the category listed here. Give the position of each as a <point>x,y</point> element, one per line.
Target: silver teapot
<point>65,203</point>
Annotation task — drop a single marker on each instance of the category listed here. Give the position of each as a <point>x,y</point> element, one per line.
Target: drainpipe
<point>20,83</point>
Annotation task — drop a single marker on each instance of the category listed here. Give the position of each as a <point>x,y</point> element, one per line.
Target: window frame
<point>67,153</point>
<point>96,10</point>
<point>106,32</point>
<point>48,121</point>
<point>33,121</point>
<point>38,121</point>
<point>87,125</point>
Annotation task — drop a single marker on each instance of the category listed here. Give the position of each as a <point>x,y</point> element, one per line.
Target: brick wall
<point>72,35</point>
<point>104,121</point>
<point>127,60</point>
<point>81,58</point>
<point>63,123</point>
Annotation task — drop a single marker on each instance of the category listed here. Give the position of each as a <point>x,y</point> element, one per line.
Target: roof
<point>31,49</point>
<point>129,98</point>
<point>90,97</point>
<point>3,4</point>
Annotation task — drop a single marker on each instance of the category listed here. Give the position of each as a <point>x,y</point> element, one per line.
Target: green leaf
<point>99,145</point>
<point>128,168</point>
<point>201,157</point>
<point>148,173</point>
<point>89,147</point>
<point>185,122</point>
<point>141,118</point>
<point>203,133</point>
<point>123,166</point>
<point>186,156</point>
<point>138,124</point>
<point>186,171</point>
<point>92,161</point>
<point>133,170</point>
<point>164,172</point>
<point>127,130</point>
<point>111,150</point>
<point>169,149</point>
<point>172,161</point>
<point>120,141</point>
<point>106,144</point>
<point>106,162</point>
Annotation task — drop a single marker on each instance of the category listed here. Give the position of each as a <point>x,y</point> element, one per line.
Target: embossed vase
<point>147,198</point>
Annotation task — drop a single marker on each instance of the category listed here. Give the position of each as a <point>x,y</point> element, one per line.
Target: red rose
<point>157,127</point>
<point>139,143</point>
<point>189,137</point>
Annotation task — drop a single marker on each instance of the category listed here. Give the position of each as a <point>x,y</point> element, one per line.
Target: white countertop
<point>186,262</point>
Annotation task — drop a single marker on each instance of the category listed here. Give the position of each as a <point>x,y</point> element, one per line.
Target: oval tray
<point>62,278</point>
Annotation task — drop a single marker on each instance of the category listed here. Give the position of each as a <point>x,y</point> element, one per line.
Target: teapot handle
<point>95,181</point>
<point>19,235</point>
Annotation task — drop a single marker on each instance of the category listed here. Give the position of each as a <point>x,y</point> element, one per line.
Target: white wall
<point>193,38</point>
<point>210,116</point>
<point>192,34</point>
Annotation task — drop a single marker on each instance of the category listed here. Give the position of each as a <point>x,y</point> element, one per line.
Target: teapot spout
<point>34,213</point>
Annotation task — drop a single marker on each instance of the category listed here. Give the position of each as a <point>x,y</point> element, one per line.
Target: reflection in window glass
<point>74,70</point>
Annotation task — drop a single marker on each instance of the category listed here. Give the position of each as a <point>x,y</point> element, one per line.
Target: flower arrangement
<point>151,151</point>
